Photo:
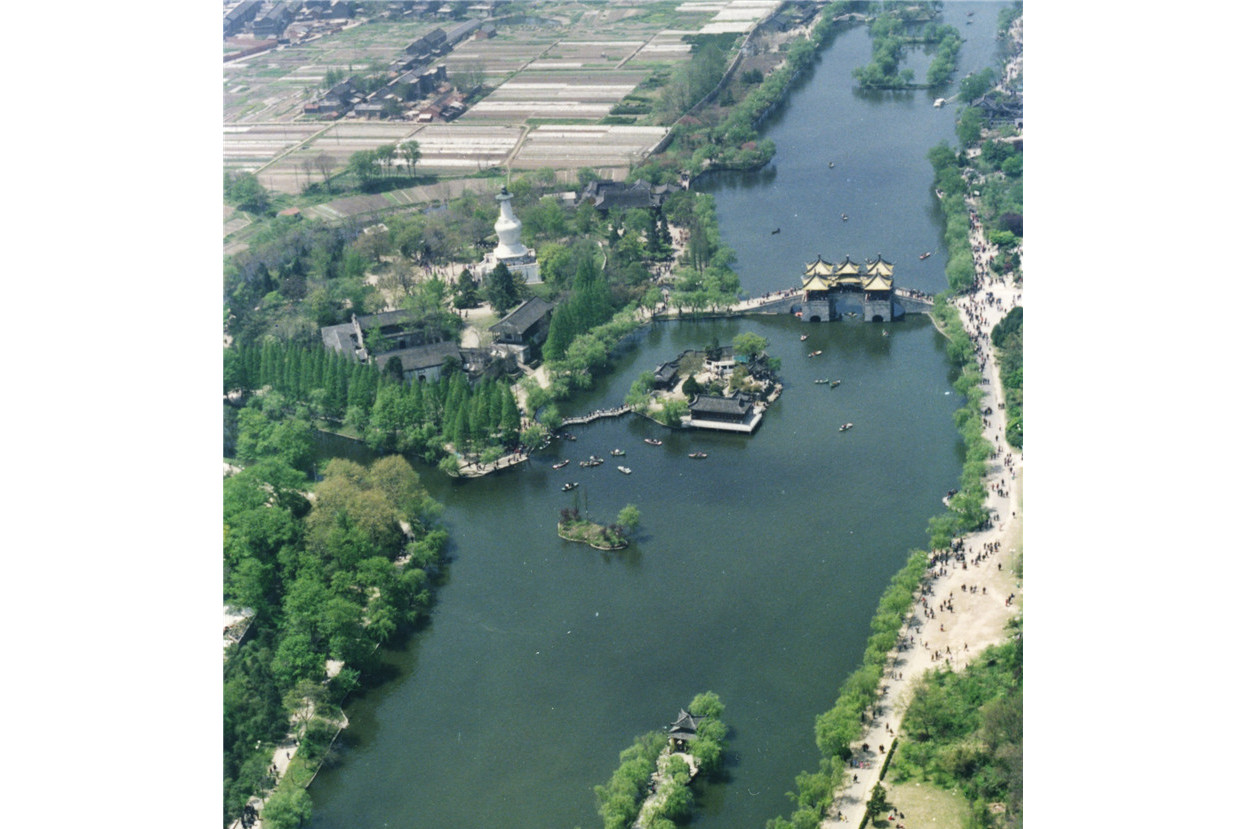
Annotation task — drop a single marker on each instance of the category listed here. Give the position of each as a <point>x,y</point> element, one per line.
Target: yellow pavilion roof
<point>874,275</point>
<point>847,267</point>
<point>880,266</point>
<point>819,267</point>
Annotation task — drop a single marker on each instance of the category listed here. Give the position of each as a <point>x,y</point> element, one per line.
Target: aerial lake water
<point>755,571</point>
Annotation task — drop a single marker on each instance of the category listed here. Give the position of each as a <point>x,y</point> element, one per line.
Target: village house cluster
<point>414,86</point>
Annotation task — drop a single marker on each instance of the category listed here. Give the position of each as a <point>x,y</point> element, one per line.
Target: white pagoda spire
<point>508,227</point>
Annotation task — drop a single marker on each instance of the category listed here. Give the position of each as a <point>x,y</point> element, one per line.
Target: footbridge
<point>789,301</point>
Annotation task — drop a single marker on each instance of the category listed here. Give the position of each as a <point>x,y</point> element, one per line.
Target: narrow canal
<point>756,570</point>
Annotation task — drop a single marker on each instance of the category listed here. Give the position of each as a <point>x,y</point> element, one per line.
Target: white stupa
<point>510,251</point>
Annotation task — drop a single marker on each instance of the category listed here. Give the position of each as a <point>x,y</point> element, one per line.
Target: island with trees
<point>572,526</point>
<point>652,786</point>
<point>742,371</point>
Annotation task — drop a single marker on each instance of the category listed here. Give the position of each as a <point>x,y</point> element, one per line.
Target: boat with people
<point>836,383</point>
<point>817,353</point>
<point>564,462</point>
<point>698,455</point>
<point>924,256</point>
<point>567,487</point>
<point>845,427</point>
<point>823,381</point>
<point>653,441</point>
<point>843,216</point>
<point>616,453</point>
<point>593,460</point>
<point>804,337</point>
<point>830,164</point>
<point>626,470</point>
<point>776,230</point>
<point>567,436</point>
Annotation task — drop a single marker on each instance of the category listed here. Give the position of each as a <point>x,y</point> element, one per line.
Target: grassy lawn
<point>925,804</point>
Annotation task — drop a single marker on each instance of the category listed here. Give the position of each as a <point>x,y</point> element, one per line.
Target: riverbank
<point>986,590</point>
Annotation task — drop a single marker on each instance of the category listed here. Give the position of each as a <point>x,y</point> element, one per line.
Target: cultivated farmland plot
<point>586,145</point>
<point>536,93</point>
<point>248,147</point>
<point>570,66</point>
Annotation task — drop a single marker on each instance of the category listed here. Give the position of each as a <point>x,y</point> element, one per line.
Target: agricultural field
<point>274,85</point>
<point>554,76</point>
<point>571,146</point>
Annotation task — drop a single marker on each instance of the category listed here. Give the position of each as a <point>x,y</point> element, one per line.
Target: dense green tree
<point>289,808</point>
<point>974,86</point>
<point>245,190</point>
<point>465,292</point>
<point>500,289</point>
<point>629,518</point>
<point>969,127</point>
<point>749,344</point>
<point>363,165</point>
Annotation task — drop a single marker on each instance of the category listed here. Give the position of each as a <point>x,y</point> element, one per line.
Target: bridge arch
<point>877,318</point>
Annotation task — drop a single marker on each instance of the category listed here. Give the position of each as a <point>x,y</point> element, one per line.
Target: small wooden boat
<point>653,441</point>
<point>626,470</point>
<point>567,436</point>
<point>836,383</point>
<point>616,453</point>
<point>822,382</point>
<point>697,455</point>
<point>565,461</point>
<point>776,230</point>
<point>925,255</point>
<point>845,427</point>
<point>567,487</point>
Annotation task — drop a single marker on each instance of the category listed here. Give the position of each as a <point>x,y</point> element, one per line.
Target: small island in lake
<point>726,388</point>
<point>574,527</point>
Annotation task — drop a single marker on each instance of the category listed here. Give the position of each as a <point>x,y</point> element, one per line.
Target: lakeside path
<point>951,639</point>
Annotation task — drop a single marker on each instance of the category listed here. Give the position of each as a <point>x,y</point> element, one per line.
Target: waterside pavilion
<point>831,290</point>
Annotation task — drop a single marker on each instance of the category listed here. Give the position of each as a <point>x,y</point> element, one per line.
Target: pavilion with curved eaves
<point>830,290</point>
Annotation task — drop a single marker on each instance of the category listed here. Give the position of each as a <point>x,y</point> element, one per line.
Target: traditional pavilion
<point>830,290</point>
<point>736,413</point>
<point>681,732</point>
<point>514,254</point>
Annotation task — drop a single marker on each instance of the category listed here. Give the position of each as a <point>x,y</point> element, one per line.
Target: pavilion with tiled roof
<point>830,288</point>
<point>681,732</point>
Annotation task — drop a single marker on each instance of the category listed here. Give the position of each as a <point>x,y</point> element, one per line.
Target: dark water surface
<point>756,570</point>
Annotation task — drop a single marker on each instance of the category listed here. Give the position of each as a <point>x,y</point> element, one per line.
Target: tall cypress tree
<point>509,421</point>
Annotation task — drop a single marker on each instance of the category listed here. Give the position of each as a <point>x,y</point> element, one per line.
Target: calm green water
<point>756,570</point>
